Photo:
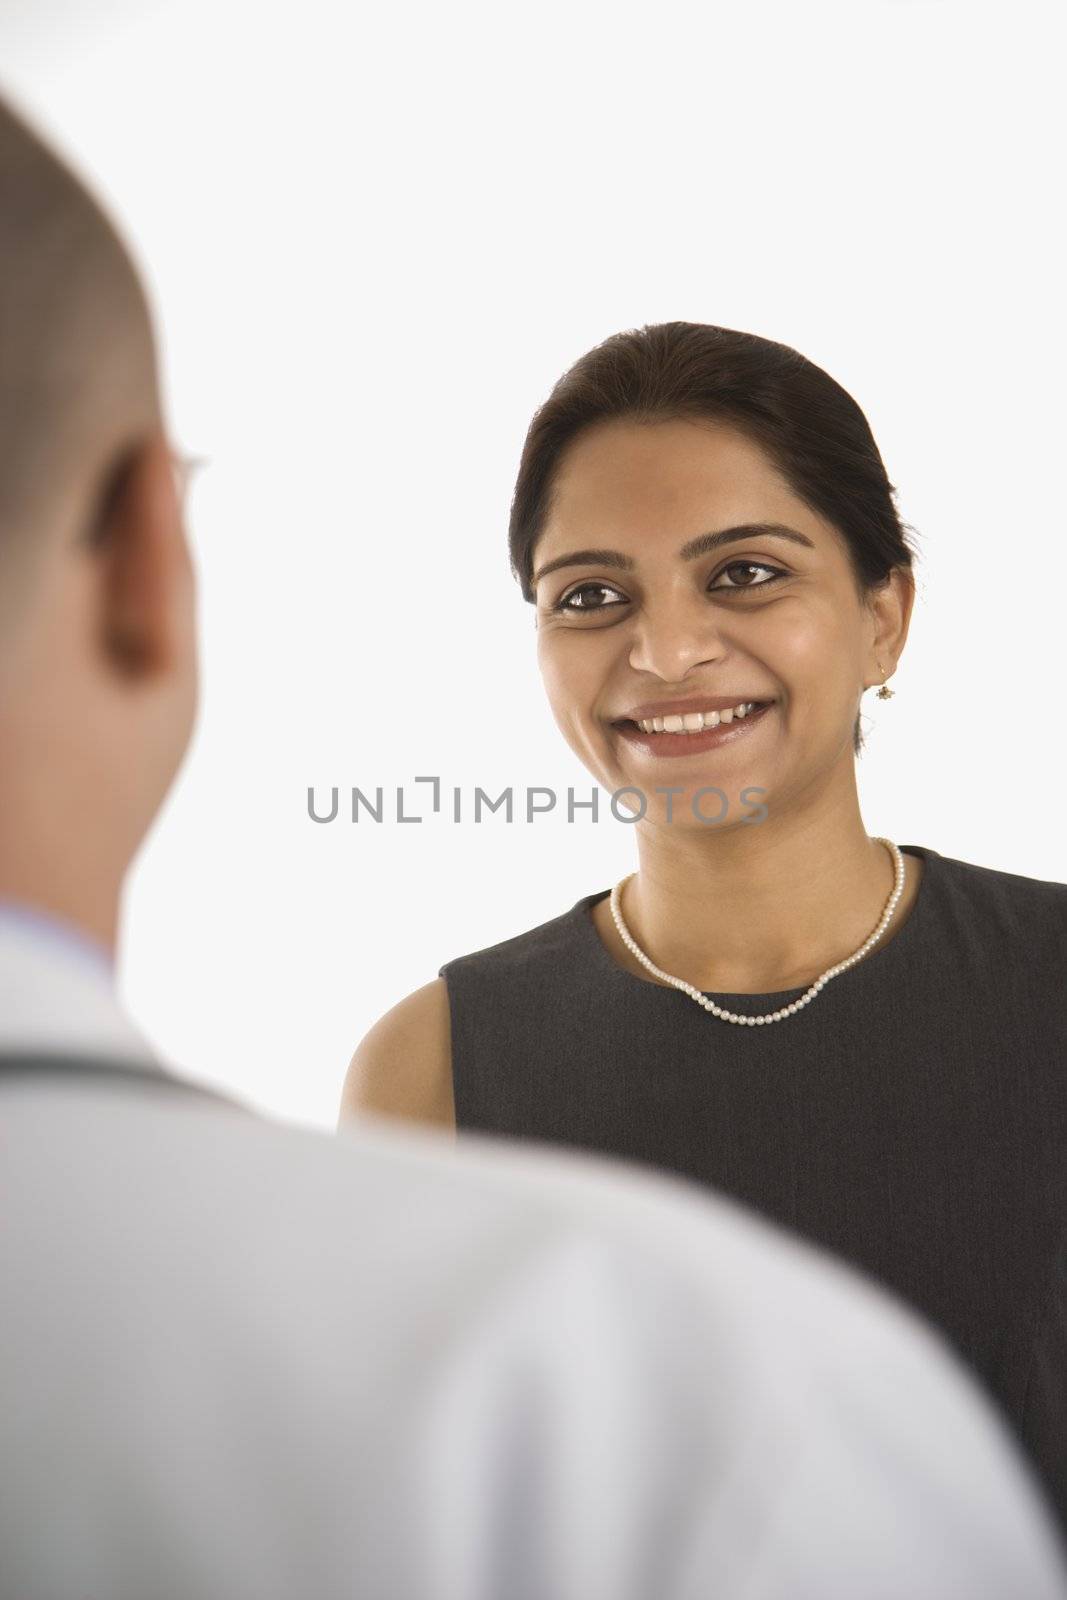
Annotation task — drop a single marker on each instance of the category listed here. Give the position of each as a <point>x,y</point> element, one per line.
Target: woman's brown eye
<point>748,566</point>
<point>586,588</point>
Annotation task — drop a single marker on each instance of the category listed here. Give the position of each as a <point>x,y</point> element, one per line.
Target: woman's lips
<point>692,744</point>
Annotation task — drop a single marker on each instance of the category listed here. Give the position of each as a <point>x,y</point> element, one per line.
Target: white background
<point>375,236</point>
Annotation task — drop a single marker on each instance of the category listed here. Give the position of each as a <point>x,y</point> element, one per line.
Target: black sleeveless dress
<point>912,1118</point>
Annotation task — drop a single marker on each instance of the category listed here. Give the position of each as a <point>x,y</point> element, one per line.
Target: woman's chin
<point>699,800</point>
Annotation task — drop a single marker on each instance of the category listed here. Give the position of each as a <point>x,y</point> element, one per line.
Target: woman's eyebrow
<point>689,552</point>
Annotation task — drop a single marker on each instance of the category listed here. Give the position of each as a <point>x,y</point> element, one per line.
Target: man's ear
<point>145,567</point>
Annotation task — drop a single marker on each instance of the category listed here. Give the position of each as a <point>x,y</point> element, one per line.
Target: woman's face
<point>643,611</point>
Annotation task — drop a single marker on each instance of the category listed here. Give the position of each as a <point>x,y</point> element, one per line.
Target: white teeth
<point>695,721</point>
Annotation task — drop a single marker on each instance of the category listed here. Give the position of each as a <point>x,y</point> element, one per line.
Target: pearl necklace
<point>787,1011</point>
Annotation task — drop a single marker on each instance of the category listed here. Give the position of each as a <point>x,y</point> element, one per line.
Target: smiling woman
<point>706,530</point>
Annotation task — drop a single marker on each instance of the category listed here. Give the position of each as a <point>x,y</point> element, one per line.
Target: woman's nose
<point>671,636</point>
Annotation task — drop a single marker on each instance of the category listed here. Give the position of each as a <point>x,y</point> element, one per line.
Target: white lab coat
<point>249,1362</point>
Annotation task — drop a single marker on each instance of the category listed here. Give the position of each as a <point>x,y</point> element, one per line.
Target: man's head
<point>98,680</point>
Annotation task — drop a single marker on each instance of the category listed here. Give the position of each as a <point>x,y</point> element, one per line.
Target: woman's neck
<point>761,908</point>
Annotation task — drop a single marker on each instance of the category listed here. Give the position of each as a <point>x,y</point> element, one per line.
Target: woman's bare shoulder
<point>403,1066</point>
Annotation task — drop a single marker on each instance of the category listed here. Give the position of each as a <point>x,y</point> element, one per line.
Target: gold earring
<point>884,693</point>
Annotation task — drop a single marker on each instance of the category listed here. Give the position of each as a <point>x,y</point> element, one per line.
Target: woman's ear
<point>145,566</point>
<point>891,605</point>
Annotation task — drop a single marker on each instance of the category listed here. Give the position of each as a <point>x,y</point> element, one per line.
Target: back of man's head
<point>97,625</point>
